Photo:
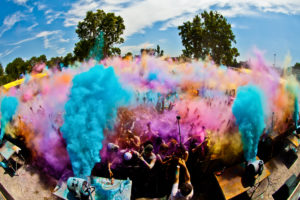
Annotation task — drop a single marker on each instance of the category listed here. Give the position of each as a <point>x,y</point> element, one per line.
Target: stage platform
<point>230,181</point>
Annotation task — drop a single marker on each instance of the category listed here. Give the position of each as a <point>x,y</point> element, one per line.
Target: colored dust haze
<point>67,116</point>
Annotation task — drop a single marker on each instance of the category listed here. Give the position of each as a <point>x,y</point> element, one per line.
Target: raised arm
<point>187,177</point>
<point>177,174</point>
<point>176,182</point>
<point>109,169</point>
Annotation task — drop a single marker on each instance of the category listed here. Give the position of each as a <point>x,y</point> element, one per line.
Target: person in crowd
<point>134,140</point>
<point>183,191</point>
<point>162,153</point>
<point>181,152</point>
<point>157,141</point>
<point>201,151</point>
<point>172,146</point>
<point>147,157</point>
<point>146,181</point>
<point>109,157</point>
<point>112,154</point>
<point>148,134</point>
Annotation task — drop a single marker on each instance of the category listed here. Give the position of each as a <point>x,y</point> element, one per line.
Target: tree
<point>148,51</point>
<point>297,66</point>
<point>128,54</point>
<point>68,59</point>
<point>2,76</point>
<point>54,61</point>
<point>159,51</point>
<point>36,60</point>
<point>16,68</point>
<point>210,35</point>
<point>89,29</point>
<point>1,70</point>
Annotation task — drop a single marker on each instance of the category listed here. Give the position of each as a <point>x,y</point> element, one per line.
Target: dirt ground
<point>28,184</point>
<point>279,175</point>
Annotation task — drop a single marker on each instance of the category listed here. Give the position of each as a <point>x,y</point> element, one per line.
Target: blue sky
<point>31,28</point>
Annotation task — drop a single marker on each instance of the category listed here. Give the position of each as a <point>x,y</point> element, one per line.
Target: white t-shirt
<point>176,194</point>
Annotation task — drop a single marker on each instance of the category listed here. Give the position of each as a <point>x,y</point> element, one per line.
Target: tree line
<point>207,35</point>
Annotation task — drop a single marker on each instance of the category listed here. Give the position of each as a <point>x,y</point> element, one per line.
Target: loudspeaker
<point>286,190</point>
<point>288,158</point>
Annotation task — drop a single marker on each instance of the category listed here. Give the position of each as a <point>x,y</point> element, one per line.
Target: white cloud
<point>48,11</point>
<point>32,26</point>
<point>61,51</point>
<point>43,34</point>
<point>20,1</point>
<point>139,15</point>
<point>51,40</point>
<point>162,40</point>
<point>135,49</point>
<point>10,21</point>
<point>22,41</point>
<point>51,17</point>
<point>23,3</point>
<point>40,6</point>
<point>46,43</point>
<point>50,14</point>
<point>30,9</point>
<point>237,26</point>
<point>64,40</point>
<point>176,21</point>
<point>78,11</point>
<point>116,1</point>
<point>8,51</point>
<point>47,33</point>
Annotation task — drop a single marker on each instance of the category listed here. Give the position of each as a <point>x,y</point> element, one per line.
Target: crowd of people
<point>156,167</point>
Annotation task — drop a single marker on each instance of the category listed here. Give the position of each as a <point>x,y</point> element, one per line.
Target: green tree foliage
<point>5,79</point>
<point>1,70</point>
<point>17,67</point>
<point>128,54</point>
<point>54,62</point>
<point>2,76</point>
<point>89,29</point>
<point>209,34</point>
<point>36,60</point>
<point>159,51</point>
<point>68,59</point>
<point>297,66</point>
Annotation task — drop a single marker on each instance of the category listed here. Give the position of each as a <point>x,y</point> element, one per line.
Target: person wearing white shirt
<point>184,191</point>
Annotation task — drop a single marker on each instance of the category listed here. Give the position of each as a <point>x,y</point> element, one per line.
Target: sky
<point>31,28</point>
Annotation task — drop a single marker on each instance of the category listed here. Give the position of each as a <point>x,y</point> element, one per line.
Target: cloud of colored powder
<point>91,108</point>
<point>249,109</point>
<point>9,106</point>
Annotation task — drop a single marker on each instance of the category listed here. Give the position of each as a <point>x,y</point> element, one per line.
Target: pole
<point>178,118</point>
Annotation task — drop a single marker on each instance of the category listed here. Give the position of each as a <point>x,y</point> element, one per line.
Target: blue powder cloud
<point>249,111</point>
<point>92,107</point>
<point>9,106</point>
